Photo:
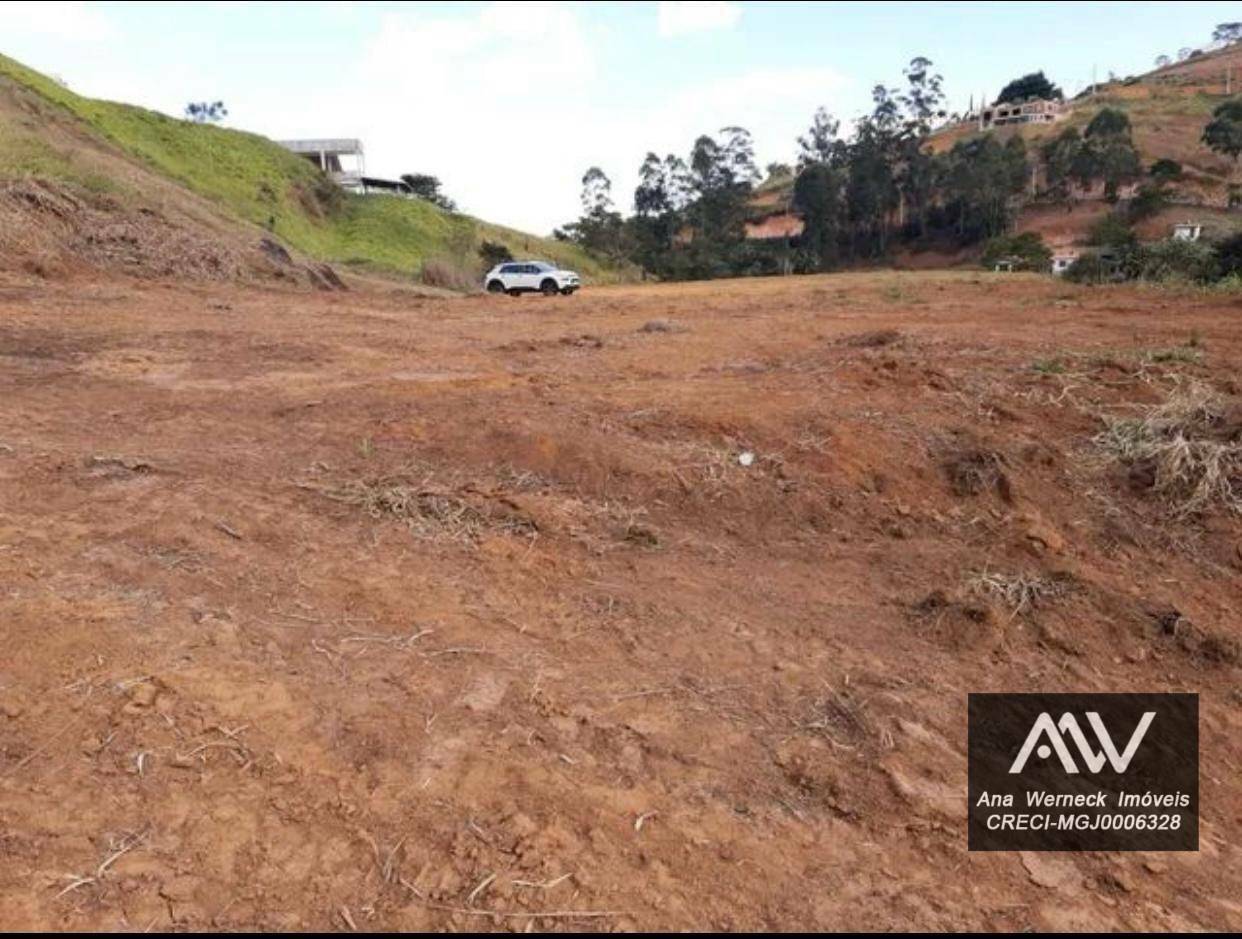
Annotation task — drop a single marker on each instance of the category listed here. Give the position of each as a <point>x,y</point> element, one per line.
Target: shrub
<point>449,275</point>
<point>1112,231</point>
<point>493,253</point>
<point>1092,269</point>
<point>1149,201</point>
<point>1173,260</point>
<point>1229,256</point>
<point>1166,170</point>
<point>1027,250</point>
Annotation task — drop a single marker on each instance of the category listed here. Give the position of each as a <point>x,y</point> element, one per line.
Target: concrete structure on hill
<point>343,159</point>
<point>1026,111</point>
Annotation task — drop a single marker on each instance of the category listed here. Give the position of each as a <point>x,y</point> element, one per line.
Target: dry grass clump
<point>1188,450</point>
<point>661,326</point>
<point>844,720</point>
<point>1021,593</point>
<point>449,275</point>
<point>974,470</point>
<point>873,339</point>
<point>431,513</point>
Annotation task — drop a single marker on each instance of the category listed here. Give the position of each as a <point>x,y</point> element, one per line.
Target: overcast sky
<point>508,103</point>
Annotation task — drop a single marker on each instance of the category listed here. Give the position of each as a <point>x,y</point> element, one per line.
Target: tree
<point>722,174</point>
<point>1112,230</point>
<point>1058,155</point>
<point>659,199</point>
<point>1165,170</point>
<point>737,151</point>
<point>817,198</point>
<point>204,112</point>
<point>1223,133</point>
<point>1163,61</point>
<point>1109,154</point>
<point>820,143</point>
<point>1034,85</point>
<point>427,187</point>
<point>1151,199</point>
<point>596,192</point>
<point>600,229</point>
<point>871,191</point>
<point>922,105</point>
<point>1108,122</point>
<point>1227,32</point>
<point>981,177</point>
<point>923,99</point>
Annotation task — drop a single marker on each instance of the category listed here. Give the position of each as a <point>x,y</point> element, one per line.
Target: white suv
<point>518,277</point>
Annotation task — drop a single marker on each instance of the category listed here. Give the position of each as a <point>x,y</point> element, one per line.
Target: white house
<point>1062,260</point>
<point>1187,231</point>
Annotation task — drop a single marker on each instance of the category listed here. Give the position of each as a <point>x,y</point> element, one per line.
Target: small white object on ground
<point>746,458</point>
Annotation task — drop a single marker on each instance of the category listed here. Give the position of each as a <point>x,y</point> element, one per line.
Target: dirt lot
<point>646,608</point>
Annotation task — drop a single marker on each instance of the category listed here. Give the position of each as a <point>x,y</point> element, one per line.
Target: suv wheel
<point>495,286</point>
<point>549,288</point>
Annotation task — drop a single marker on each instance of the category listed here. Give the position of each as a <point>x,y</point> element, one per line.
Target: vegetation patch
<point>973,471</point>
<point>1020,593</point>
<point>1187,451</point>
<point>1025,252</point>
<point>431,512</point>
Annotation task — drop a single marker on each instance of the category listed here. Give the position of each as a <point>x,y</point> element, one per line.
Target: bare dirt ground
<point>364,610</point>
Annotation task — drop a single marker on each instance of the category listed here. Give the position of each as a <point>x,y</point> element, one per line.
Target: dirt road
<point>647,608</point>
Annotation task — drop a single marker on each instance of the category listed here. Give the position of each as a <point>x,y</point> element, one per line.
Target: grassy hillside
<point>254,179</point>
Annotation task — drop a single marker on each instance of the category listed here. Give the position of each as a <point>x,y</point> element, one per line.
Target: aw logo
<point>1083,772</point>
<point>1068,726</point>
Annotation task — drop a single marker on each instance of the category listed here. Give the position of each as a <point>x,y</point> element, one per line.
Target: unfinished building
<point>1026,111</point>
<point>342,158</point>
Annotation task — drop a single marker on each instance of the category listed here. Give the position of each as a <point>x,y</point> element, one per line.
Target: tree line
<point>860,196</point>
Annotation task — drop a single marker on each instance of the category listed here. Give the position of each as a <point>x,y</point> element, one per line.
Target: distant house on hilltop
<point>1026,111</point>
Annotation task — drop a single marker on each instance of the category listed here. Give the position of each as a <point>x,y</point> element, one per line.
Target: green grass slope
<point>254,179</point>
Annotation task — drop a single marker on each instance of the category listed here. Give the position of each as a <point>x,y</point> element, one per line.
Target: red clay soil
<point>363,610</point>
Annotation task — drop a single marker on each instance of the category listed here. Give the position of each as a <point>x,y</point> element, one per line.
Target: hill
<point>1167,108</point>
<point>76,173</point>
